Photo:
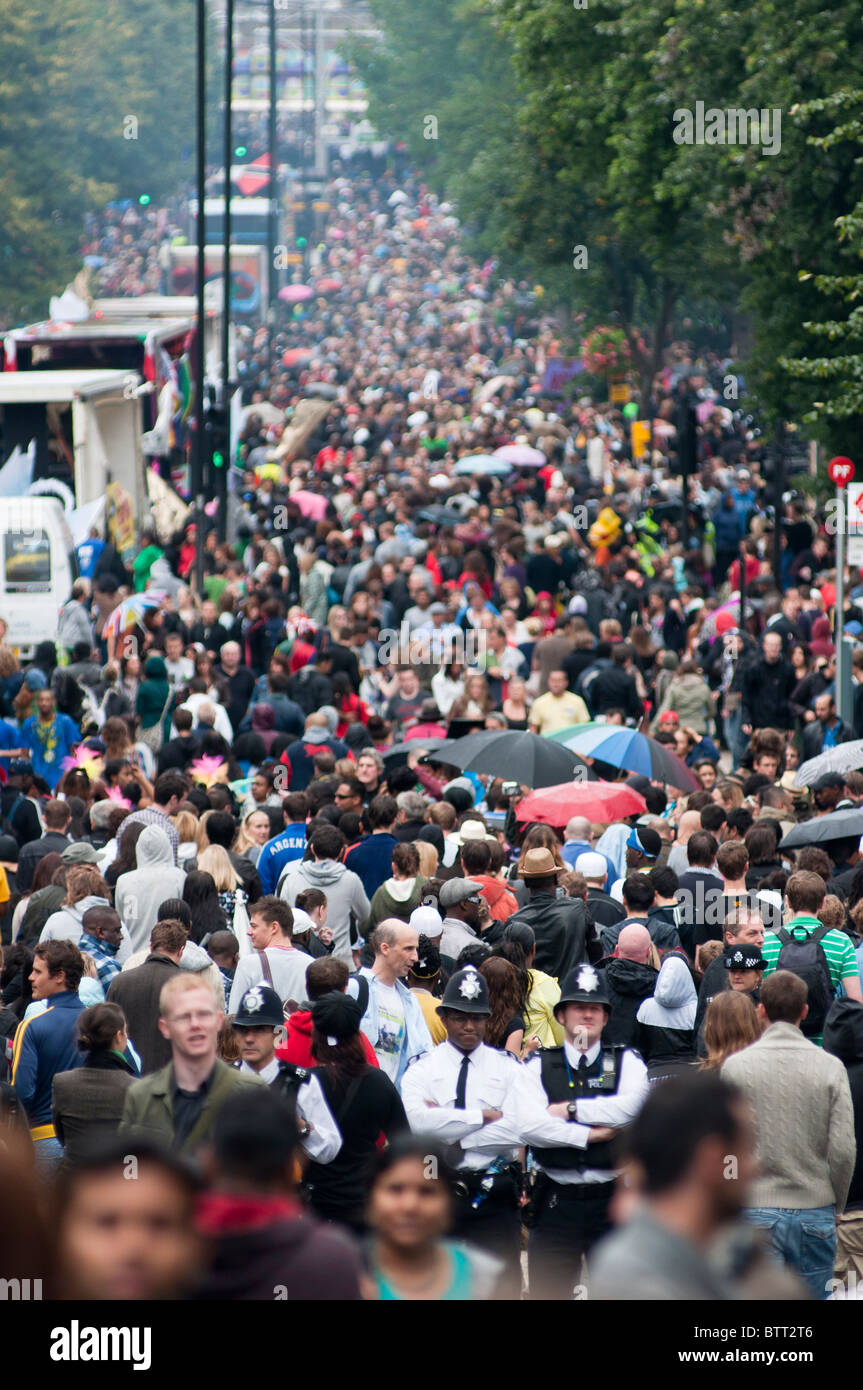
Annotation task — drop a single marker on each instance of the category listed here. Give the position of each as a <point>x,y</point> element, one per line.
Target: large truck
<point>82,428</point>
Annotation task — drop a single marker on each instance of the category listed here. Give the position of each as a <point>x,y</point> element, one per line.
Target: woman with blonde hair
<point>254,832</point>
<point>201,838</point>
<point>186,825</point>
<point>730,1024</point>
<point>428,858</point>
<point>214,861</point>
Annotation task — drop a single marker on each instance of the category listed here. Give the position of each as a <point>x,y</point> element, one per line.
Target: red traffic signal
<point>841,471</point>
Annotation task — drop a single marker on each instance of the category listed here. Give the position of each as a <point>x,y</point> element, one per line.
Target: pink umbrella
<point>310,504</point>
<point>329,285</point>
<point>522,455</point>
<point>295,294</point>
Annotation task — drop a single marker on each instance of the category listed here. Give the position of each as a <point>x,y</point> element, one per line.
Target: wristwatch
<point>572,1112</point>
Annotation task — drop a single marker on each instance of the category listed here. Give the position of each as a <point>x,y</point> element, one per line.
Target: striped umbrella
<point>130,612</point>
<point>622,747</point>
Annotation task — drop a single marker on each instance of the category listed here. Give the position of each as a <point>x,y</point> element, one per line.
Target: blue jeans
<point>48,1155</point>
<point>735,738</point>
<point>804,1238</point>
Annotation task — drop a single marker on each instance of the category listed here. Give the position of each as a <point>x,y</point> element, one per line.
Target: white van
<point>37,568</point>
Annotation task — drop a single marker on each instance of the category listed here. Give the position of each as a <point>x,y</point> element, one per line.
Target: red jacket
<point>297,1047</point>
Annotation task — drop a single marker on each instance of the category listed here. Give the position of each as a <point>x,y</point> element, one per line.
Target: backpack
<point>362,994</point>
<point>7,819</point>
<point>807,959</point>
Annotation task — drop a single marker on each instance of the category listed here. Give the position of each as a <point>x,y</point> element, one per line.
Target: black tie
<point>582,1062</point>
<point>461,1084</point>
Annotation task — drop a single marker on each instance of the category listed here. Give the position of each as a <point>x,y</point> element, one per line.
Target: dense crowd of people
<point>364,1030</point>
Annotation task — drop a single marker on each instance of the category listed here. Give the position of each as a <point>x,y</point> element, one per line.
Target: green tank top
<point>459,1289</point>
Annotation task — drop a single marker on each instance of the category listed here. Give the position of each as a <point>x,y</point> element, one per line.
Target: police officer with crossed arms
<point>585,1083</point>
<point>478,1100</point>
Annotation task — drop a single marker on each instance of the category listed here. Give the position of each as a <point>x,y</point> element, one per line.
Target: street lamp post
<point>222,473</point>
<point>197,468</point>
<point>272,138</point>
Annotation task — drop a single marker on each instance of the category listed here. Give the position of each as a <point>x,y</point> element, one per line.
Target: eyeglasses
<point>343,796</point>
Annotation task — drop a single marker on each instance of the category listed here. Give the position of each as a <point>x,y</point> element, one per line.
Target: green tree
<point>75,82</point>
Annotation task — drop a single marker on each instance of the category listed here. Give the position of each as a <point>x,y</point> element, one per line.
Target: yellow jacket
<point>544,994</point>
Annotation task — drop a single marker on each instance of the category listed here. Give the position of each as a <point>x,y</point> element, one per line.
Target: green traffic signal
<point>144,199</point>
<point>218,459</point>
<point>241,152</point>
<point>302,242</point>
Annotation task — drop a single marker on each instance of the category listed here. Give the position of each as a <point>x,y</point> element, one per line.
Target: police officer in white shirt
<point>477,1099</point>
<point>584,1082</point>
<point>260,1023</point>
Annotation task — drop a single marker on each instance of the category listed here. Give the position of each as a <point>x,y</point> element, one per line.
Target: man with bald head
<point>392,1019</point>
<point>629,979</point>
<point>300,755</point>
<point>688,825</point>
<point>239,680</point>
<point>579,840</point>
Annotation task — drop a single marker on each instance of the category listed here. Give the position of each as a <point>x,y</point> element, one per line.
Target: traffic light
<point>240,152</point>
<point>217,435</point>
<point>686,424</point>
<point>144,199</point>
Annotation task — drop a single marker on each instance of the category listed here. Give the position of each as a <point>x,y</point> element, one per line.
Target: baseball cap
<point>79,853</point>
<point>457,890</point>
<point>427,922</point>
<point>591,865</point>
<point>669,716</point>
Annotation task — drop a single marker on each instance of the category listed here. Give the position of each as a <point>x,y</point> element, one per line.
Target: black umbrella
<point>516,757</point>
<point>838,825</point>
<point>398,754</point>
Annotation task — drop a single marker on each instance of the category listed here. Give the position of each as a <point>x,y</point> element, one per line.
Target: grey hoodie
<point>345,894</point>
<point>67,925</point>
<point>140,893</point>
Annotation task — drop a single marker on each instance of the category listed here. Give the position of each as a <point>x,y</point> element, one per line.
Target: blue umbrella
<point>619,746</point>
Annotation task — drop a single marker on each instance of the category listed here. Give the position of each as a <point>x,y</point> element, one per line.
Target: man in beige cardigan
<point>805,1123</point>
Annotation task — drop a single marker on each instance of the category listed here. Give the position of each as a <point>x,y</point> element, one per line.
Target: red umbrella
<point>295,357</point>
<point>329,285</point>
<point>603,802</point>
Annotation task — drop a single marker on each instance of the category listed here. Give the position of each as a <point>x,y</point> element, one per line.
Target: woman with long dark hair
<point>410,1211</point>
<point>364,1103</point>
<point>505,1028</point>
<point>202,897</point>
<point>540,992</point>
<point>127,853</point>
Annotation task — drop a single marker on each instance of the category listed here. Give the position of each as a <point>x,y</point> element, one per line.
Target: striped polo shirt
<point>837,947</point>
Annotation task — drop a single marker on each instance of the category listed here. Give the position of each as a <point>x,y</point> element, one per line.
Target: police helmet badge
<point>469,987</point>
<point>588,980</point>
<point>252,1000</point>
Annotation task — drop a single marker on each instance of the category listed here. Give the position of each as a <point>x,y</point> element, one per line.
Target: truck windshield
<point>26,562</point>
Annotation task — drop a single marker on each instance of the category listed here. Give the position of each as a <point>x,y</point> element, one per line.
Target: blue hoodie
<point>44,1045</point>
